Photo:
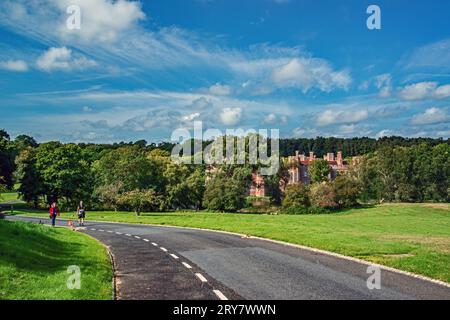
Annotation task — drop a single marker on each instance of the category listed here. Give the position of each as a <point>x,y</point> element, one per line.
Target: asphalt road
<point>175,263</point>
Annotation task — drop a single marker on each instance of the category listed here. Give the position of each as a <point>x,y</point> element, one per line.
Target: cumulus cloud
<point>63,59</point>
<point>330,117</point>
<point>231,116</point>
<point>14,65</point>
<point>430,116</point>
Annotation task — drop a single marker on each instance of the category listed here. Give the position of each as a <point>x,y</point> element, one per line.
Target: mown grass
<point>411,237</point>
<point>9,196</point>
<point>34,260</point>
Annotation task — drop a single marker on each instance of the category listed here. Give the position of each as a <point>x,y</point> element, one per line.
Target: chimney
<point>311,156</point>
<point>339,159</point>
<point>302,157</point>
<point>297,153</point>
<point>330,156</point>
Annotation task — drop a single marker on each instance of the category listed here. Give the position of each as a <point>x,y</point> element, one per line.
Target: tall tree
<point>319,170</point>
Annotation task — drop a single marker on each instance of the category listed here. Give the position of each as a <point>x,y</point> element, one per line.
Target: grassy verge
<point>34,261</point>
<point>410,237</point>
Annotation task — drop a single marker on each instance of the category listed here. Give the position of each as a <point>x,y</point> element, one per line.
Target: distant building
<point>298,171</point>
<point>299,164</point>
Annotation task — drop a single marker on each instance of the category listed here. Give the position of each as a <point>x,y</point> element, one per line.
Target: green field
<point>411,237</point>
<point>34,260</point>
<point>9,196</point>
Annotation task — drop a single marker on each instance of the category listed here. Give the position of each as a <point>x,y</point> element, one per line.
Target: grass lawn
<point>34,261</point>
<point>411,237</point>
<point>8,196</point>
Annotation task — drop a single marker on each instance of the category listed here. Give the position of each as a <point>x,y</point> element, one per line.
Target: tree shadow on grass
<point>34,248</point>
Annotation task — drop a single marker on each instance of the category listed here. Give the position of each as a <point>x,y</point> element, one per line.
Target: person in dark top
<point>81,211</point>
<point>54,211</point>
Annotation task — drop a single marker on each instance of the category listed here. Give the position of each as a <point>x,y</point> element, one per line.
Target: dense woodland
<point>142,176</point>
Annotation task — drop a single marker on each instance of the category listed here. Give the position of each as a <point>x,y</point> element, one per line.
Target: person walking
<point>54,211</point>
<point>81,211</point>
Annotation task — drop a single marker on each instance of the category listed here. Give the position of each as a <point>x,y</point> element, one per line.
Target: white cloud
<point>385,133</point>
<point>63,59</point>
<point>102,20</point>
<point>87,109</point>
<point>14,65</point>
<point>307,73</point>
<point>418,91</point>
<point>425,90</point>
<point>330,117</point>
<point>272,118</point>
<point>435,56</point>
<point>430,116</point>
<point>191,117</point>
<point>220,90</point>
<point>231,116</point>
<point>383,82</point>
<point>442,91</point>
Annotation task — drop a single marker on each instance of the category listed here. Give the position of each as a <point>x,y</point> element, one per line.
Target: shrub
<point>323,195</point>
<point>347,191</point>
<point>296,196</point>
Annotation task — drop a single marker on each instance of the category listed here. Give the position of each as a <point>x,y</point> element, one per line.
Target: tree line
<point>143,177</point>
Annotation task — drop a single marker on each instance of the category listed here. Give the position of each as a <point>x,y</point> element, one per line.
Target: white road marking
<point>201,277</point>
<point>109,231</point>
<point>163,249</point>
<point>128,235</point>
<point>186,265</point>
<point>137,237</point>
<point>155,244</point>
<point>101,230</point>
<point>146,240</point>
<point>174,256</point>
<point>118,233</point>
<point>220,295</point>
<point>93,229</point>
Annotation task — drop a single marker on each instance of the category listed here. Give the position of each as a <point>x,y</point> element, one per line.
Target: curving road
<point>175,263</point>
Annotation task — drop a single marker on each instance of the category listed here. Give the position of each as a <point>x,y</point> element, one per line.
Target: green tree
<point>138,200</point>
<point>7,154</point>
<point>128,166</point>
<point>319,170</point>
<point>23,141</point>
<point>66,175</point>
<point>31,186</point>
<point>227,189</point>
<point>108,195</point>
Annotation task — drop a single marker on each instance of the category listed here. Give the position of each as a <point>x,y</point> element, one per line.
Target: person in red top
<point>53,213</point>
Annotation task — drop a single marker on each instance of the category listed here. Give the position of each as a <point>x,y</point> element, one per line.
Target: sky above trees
<point>139,70</point>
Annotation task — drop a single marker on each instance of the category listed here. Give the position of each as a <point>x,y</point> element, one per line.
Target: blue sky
<point>141,69</point>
